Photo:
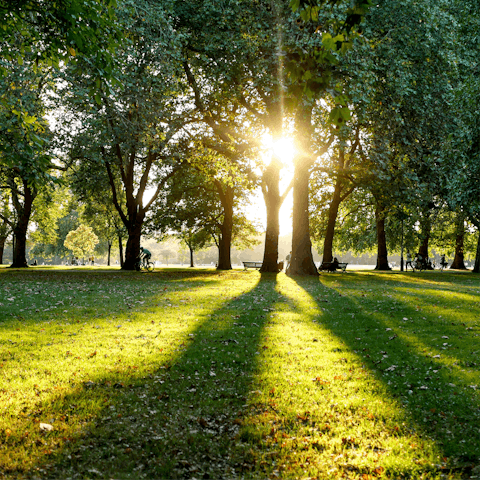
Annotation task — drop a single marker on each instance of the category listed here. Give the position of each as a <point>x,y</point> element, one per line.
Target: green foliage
<point>81,241</point>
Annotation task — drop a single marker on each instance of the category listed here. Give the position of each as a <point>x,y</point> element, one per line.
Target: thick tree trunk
<point>225,240</point>
<point>191,257</point>
<point>302,259</point>
<point>21,227</point>
<point>273,202</point>
<point>459,261</point>
<point>132,250</point>
<point>20,250</point>
<point>423,250</point>
<point>426,229</point>
<point>382,254</point>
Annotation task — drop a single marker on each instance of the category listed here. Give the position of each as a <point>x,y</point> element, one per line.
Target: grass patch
<point>194,373</point>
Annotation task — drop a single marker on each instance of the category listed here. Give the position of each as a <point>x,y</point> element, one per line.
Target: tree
<point>204,201</point>
<point>235,68</point>
<point>81,241</point>
<point>324,35</point>
<point>26,165</point>
<point>133,125</point>
<point>194,240</point>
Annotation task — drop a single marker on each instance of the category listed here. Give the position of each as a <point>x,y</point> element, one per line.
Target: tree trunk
<point>302,259</point>
<point>132,250</point>
<point>21,227</point>
<point>273,202</point>
<point>2,248</point>
<point>120,248</point>
<point>332,219</point>
<point>333,210</point>
<point>225,240</point>
<point>109,252</point>
<point>426,229</point>
<point>423,250</point>
<point>458,261</point>
<point>191,257</point>
<point>382,255</point>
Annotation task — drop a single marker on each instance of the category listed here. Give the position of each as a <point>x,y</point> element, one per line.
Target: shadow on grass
<point>182,420</point>
<point>428,382</point>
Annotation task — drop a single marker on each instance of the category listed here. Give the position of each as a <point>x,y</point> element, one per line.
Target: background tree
<point>81,241</point>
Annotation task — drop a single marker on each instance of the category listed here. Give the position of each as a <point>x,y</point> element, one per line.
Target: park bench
<point>257,265</point>
<point>332,266</point>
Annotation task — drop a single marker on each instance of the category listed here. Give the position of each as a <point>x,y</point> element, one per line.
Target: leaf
<point>46,427</point>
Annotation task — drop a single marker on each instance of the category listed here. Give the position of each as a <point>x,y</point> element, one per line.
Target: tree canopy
<point>155,113</point>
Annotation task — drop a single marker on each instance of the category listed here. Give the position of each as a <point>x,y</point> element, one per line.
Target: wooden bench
<point>332,266</point>
<point>256,265</point>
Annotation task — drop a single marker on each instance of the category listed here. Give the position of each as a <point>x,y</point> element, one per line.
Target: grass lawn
<point>198,374</point>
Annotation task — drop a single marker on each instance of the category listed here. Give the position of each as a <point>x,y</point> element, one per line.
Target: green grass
<point>199,374</point>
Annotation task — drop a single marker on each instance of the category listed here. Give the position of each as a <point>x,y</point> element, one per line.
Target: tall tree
<point>326,31</point>
<point>133,125</point>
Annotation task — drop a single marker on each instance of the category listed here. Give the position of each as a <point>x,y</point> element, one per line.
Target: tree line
<point>148,116</point>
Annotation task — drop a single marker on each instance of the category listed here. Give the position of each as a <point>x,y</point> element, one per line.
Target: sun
<point>282,147</point>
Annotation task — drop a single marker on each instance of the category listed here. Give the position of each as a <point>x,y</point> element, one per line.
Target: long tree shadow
<point>182,420</point>
<point>428,382</point>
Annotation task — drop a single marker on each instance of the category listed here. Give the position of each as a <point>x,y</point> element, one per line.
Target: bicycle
<point>419,265</point>
<point>144,264</point>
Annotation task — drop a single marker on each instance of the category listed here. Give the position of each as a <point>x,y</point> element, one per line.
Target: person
<point>145,255</point>
<point>409,261</point>
<point>288,259</point>
<point>443,262</point>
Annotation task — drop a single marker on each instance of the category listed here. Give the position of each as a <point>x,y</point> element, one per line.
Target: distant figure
<point>443,262</point>
<point>288,260</point>
<point>409,261</point>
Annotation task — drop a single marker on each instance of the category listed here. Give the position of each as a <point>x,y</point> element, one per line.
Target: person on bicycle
<point>145,255</point>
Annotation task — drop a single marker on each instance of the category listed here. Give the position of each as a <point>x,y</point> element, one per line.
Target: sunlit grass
<point>185,373</point>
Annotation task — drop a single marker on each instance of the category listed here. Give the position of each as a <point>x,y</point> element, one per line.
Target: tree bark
<point>426,229</point>
<point>2,248</point>
<point>382,254</point>
<point>332,219</point>
<point>273,202</point>
<point>459,260</point>
<point>120,248</point>
<point>225,238</point>
<point>109,252</point>
<point>132,249</point>
<point>302,259</point>
<point>191,257</point>
<point>21,227</point>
